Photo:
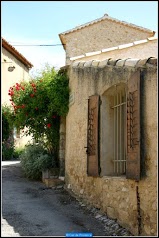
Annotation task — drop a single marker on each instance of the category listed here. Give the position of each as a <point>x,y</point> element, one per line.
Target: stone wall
<point>139,51</point>
<point>116,196</point>
<point>101,35</point>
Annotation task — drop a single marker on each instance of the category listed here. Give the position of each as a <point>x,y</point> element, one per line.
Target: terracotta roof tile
<point>129,62</point>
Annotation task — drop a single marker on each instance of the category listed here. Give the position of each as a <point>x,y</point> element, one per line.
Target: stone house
<point>15,68</point>
<point>109,137</point>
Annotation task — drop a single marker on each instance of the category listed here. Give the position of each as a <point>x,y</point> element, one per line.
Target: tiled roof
<point>14,52</point>
<point>114,48</point>
<point>151,61</point>
<point>106,17</point>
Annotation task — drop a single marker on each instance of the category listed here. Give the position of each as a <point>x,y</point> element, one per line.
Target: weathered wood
<point>92,136</point>
<point>133,127</point>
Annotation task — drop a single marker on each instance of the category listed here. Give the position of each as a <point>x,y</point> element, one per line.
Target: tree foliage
<point>7,122</point>
<point>7,132</point>
<point>39,104</point>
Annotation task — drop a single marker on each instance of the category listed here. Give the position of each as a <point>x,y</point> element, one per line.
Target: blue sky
<point>40,22</point>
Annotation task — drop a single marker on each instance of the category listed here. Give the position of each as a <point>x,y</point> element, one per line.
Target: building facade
<point>14,68</point>
<point>110,133</point>
<point>103,33</point>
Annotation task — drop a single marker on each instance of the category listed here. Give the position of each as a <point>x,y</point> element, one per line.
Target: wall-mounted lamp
<point>11,68</point>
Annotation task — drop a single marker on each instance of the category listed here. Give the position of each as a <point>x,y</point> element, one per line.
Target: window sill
<point>122,177</point>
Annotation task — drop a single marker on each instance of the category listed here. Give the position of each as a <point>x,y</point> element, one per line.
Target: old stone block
<point>45,174</point>
<point>81,191</point>
<point>124,189</point>
<point>53,182</point>
<point>111,212</point>
<point>153,217</point>
<point>154,206</point>
<point>147,229</point>
<point>124,216</point>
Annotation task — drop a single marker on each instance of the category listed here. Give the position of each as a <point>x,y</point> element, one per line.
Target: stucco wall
<point>101,35</point>
<point>8,79</point>
<point>139,51</point>
<point>115,196</point>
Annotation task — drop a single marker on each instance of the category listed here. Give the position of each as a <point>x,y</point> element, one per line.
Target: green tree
<point>39,104</point>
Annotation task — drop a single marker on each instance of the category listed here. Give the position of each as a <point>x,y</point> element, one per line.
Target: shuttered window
<point>93,136</point>
<point>133,127</point>
<point>120,153</point>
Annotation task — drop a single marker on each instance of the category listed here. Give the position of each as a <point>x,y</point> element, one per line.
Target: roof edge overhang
<point>62,39</point>
<point>128,62</point>
<point>16,54</point>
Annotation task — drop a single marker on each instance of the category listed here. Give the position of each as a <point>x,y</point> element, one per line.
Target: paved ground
<point>31,209</point>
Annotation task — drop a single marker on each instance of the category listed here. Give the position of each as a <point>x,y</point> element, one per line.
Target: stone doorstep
<point>52,182</point>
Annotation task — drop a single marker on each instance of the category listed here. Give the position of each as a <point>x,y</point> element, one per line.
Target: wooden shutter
<point>92,136</point>
<point>133,127</point>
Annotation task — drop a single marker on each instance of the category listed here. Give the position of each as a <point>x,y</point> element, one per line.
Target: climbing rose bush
<point>39,104</point>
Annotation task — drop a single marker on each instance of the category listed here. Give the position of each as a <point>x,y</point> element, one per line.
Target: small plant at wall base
<point>34,159</point>
<point>38,106</point>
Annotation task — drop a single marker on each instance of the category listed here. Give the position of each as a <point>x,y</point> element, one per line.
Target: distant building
<point>14,68</point>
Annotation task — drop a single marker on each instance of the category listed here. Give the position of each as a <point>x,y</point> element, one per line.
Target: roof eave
<point>61,36</point>
<point>14,52</point>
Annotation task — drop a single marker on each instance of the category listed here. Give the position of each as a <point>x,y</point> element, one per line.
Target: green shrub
<point>7,150</point>
<point>35,159</point>
<point>5,128</point>
<point>7,133</point>
<point>17,152</point>
<point>7,122</point>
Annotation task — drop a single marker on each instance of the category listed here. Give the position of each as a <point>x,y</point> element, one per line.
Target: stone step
<point>52,182</point>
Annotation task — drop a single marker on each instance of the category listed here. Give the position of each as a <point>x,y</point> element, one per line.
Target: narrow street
<point>29,208</point>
